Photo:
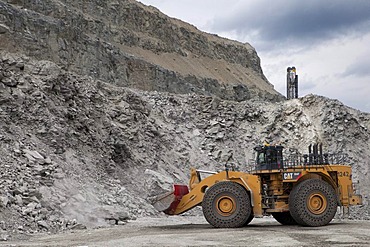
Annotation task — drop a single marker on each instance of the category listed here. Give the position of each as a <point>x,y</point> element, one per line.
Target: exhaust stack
<point>292,83</point>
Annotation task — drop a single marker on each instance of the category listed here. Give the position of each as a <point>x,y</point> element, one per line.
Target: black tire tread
<point>242,212</point>
<point>251,217</point>
<point>298,200</point>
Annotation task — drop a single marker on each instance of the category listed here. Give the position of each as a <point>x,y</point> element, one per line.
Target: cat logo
<point>291,175</point>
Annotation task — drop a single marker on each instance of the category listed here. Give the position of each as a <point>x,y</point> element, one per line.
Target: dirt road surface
<point>194,231</point>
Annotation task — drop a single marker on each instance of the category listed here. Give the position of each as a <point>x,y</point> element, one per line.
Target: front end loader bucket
<point>169,201</point>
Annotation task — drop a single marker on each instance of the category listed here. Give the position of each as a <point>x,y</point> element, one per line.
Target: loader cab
<point>269,157</point>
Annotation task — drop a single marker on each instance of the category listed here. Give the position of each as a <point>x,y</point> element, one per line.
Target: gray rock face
<point>129,44</point>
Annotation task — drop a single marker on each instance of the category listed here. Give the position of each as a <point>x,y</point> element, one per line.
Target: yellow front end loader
<point>306,192</point>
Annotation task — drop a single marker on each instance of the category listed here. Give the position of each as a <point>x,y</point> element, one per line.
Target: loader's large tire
<point>313,202</point>
<point>284,218</point>
<point>226,204</point>
<point>250,218</point>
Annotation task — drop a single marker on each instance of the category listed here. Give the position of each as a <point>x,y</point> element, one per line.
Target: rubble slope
<point>76,151</point>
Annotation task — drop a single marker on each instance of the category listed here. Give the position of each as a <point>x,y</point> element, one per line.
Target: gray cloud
<point>306,86</point>
<point>360,68</point>
<point>296,22</point>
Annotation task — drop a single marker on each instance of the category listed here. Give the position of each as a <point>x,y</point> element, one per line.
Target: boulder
<point>156,183</point>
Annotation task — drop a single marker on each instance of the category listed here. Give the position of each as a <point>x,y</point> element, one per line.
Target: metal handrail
<point>293,161</point>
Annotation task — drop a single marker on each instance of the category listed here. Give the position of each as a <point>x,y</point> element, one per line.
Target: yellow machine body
<point>338,176</point>
<point>304,191</point>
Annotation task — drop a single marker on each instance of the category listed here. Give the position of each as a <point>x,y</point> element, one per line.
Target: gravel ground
<point>194,231</point>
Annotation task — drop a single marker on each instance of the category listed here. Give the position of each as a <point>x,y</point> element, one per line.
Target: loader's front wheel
<point>250,218</point>
<point>226,204</point>
<point>313,202</point>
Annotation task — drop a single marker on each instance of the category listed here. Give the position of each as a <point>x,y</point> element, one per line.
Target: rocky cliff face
<point>129,44</point>
<point>80,148</point>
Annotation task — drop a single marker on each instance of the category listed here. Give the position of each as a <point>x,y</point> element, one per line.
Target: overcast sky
<point>327,41</point>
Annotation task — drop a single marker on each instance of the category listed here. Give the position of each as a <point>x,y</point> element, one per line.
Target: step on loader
<point>304,190</point>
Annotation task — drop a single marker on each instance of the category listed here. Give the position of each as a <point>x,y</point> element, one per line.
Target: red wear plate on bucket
<point>179,191</point>
<point>168,202</point>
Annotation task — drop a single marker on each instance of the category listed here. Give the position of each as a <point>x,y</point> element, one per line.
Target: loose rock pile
<point>41,181</point>
<point>77,152</point>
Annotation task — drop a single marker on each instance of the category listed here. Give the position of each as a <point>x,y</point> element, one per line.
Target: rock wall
<point>129,44</point>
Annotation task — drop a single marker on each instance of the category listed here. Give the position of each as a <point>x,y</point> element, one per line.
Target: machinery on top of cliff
<point>304,191</point>
<point>292,83</point>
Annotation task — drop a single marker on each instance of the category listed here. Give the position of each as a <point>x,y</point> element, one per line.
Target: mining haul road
<point>195,231</point>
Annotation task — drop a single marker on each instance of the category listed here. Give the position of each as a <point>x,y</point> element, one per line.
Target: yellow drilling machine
<point>304,190</point>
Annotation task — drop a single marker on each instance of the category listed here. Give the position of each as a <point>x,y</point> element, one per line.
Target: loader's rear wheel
<point>284,218</point>
<point>313,203</point>
<point>226,204</point>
